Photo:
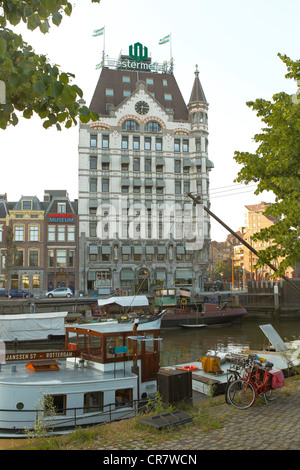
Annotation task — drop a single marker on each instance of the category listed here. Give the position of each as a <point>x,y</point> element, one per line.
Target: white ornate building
<point>137,227</point>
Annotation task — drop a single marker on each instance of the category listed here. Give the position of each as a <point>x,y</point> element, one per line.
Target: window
<point>126,93</point>
<point>105,185</point>
<point>186,187</point>
<point>109,106</point>
<point>61,258</point>
<point>149,81</point>
<point>36,281</point>
<point>185,145</point>
<point>51,258</point>
<point>27,205</point>
<point>124,397</point>
<point>124,144</point>
<point>147,143</point>
<point>152,126</point>
<point>130,125</point>
<point>105,166</point>
<point>176,145</point>
<point>71,258</point>
<point>148,189</point>
<point>93,141</point>
<point>147,164</point>
<point>105,141</point>
<point>19,258</point>
<point>93,184</point>
<point>61,233</point>
<point>61,207</point>
<point>125,79</point>
<point>51,233</point>
<point>136,189</point>
<point>136,164</point>
<point>103,278</point>
<point>198,145</point>
<point>136,143</point>
<point>1,233</point>
<point>125,189</point>
<point>168,96</point>
<point>165,82</point>
<point>33,258</point>
<point>71,233</point>
<point>177,166</point>
<point>93,163</point>
<point>109,92</point>
<point>25,281</point>
<point>19,233</point>
<point>158,144</point>
<point>159,168</point>
<point>93,229</point>
<point>177,187</point>
<point>56,402</point>
<point>34,233</point>
<point>93,401</point>
<point>124,166</point>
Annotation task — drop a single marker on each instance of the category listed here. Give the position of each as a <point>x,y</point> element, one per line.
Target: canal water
<point>183,345</point>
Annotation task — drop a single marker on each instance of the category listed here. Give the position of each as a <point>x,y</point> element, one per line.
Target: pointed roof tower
<point>197,95</point>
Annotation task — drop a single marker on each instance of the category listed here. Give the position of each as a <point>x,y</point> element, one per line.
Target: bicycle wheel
<point>241,394</point>
<point>272,394</point>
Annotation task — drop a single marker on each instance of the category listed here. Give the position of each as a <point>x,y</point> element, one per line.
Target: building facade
<point>137,227</point>
<point>61,241</point>
<point>39,243</point>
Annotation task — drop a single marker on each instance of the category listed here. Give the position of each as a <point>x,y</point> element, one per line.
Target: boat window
<point>93,401</point>
<point>115,345</point>
<point>123,397</point>
<point>56,403</point>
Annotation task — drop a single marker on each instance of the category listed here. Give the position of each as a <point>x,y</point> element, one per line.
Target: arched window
<point>152,126</point>
<point>130,125</point>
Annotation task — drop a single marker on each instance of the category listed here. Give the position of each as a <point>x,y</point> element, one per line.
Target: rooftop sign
<point>138,59</point>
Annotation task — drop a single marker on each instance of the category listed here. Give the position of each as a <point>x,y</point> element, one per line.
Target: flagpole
<point>171,58</point>
<point>103,52</point>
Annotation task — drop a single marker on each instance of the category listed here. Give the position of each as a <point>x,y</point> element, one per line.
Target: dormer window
<point>26,205</point>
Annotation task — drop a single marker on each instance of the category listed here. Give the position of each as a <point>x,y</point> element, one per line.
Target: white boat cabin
<point>100,376</point>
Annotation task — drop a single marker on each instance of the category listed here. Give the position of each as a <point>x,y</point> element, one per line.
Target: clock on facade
<point>142,107</point>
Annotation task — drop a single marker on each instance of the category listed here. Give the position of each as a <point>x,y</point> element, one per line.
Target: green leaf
<point>39,87</point>
<point>57,89</point>
<point>3,46</point>
<point>56,18</point>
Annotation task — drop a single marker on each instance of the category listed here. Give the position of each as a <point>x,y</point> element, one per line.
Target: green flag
<point>98,66</point>
<point>165,39</point>
<point>98,32</point>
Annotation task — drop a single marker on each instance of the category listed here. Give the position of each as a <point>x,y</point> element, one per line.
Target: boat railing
<point>69,418</point>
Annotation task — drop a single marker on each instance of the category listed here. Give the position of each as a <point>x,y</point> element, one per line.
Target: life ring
<point>189,368</point>
<point>183,301</point>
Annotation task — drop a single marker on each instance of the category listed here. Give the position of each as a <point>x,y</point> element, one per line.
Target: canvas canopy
<point>126,301</point>
<point>30,327</point>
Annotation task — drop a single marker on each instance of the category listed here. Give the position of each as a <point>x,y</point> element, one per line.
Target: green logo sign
<point>138,52</point>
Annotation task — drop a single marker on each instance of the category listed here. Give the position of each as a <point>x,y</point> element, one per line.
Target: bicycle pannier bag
<point>277,378</point>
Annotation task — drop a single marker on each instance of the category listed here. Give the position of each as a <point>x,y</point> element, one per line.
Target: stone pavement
<point>275,426</point>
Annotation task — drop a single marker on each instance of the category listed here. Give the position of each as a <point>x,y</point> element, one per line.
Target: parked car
<point>2,292</point>
<point>18,293</point>
<point>59,292</point>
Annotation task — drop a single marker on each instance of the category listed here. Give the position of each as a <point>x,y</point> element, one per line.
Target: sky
<point>235,45</point>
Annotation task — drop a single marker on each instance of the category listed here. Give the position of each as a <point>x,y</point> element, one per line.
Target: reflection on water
<point>184,345</point>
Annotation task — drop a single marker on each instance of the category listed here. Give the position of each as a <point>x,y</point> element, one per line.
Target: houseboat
<point>100,376</point>
<point>184,310</point>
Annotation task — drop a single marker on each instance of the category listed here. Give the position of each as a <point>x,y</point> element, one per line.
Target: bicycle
<point>255,381</point>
